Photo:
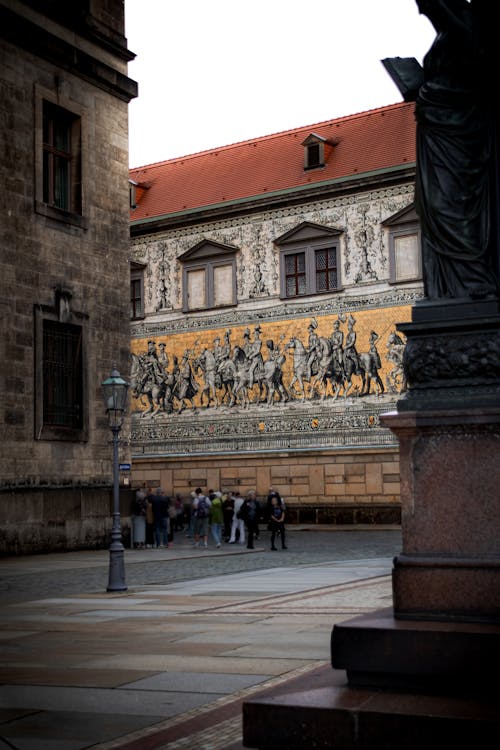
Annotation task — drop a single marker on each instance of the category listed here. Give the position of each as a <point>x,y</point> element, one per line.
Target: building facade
<point>64,266</point>
<point>268,278</point>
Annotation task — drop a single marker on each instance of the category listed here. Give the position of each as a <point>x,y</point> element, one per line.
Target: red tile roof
<point>378,139</point>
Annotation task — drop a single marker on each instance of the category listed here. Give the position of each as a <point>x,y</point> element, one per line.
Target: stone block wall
<point>347,487</point>
<point>47,486</point>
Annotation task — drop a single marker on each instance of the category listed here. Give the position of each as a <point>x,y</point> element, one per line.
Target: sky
<point>216,72</point>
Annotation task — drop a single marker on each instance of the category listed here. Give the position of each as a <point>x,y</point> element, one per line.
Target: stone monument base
<point>425,673</point>
<point>395,684</point>
<point>338,717</point>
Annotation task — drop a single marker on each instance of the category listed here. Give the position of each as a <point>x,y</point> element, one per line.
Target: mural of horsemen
<point>266,371</point>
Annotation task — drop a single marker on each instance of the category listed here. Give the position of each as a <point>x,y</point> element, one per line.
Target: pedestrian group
<point>227,517</point>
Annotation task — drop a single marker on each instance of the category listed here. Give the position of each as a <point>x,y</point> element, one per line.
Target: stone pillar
<point>448,427</point>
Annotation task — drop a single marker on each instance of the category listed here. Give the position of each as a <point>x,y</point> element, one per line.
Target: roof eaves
<point>275,193</point>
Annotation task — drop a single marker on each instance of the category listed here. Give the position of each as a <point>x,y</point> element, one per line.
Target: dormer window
<point>314,156</point>
<point>316,151</point>
<point>132,194</point>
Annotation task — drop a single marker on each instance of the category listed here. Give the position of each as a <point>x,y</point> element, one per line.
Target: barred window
<point>62,375</point>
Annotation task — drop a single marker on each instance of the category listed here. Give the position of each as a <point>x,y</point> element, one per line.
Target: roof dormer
<point>136,191</point>
<point>317,150</point>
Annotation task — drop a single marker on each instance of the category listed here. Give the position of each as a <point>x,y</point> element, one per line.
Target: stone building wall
<point>55,492</point>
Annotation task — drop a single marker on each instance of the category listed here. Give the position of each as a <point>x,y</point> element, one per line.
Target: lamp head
<point>115,390</point>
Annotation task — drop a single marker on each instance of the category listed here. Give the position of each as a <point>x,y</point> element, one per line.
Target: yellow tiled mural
<point>318,380</point>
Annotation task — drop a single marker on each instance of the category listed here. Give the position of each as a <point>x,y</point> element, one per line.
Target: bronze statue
<point>455,184</point>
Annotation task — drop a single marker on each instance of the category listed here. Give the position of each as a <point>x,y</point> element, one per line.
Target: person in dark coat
<point>249,512</point>
<point>160,503</point>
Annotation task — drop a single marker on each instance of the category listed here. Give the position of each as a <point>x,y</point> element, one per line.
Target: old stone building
<point>268,278</point>
<point>64,270</point>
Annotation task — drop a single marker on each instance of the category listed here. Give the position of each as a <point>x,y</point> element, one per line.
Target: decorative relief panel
<point>301,383</point>
<point>359,217</point>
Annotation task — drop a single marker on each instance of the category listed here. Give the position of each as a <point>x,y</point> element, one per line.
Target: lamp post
<point>115,399</point>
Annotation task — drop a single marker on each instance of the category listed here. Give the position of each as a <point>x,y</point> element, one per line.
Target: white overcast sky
<point>215,72</point>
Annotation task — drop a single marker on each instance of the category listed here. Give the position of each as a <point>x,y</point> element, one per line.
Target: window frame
<point>308,239</point>
<point>404,223</point>
<point>59,316</point>
<point>137,275</point>
<point>207,256</point>
<point>76,117</point>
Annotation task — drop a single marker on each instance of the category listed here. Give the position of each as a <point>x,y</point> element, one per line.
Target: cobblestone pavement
<point>22,578</point>
<point>168,664</point>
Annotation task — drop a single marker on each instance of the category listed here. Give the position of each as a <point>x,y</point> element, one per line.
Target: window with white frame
<point>405,258</point>
<point>209,276</point>
<point>309,260</point>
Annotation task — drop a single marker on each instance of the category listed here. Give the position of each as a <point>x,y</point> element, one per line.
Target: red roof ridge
<point>269,136</point>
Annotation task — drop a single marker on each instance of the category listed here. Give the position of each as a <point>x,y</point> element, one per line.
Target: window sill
<point>312,294</point>
<point>209,309</point>
<point>66,434</point>
<point>66,217</point>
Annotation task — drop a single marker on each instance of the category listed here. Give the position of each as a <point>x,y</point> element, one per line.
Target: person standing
<point>201,509</point>
<point>277,522</point>
<point>179,513</point>
<point>249,512</point>
<point>139,518</point>
<point>228,512</point>
<point>237,524</point>
<point>190,528</point>
<point>150,522</point>
<point>216,517</point>
<point>160,505</point>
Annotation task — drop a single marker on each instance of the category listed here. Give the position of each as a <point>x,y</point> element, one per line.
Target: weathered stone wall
<point>41,254</point>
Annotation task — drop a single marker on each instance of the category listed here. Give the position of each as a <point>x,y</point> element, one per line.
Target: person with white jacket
<point>238,524</point>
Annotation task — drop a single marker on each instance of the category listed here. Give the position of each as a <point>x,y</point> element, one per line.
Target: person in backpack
<point>201,509</point>
<point>216,516</point>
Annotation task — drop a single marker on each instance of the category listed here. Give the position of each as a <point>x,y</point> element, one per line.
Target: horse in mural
<point>325,369</point>
<point>366,367</point>
<point>148,379</point>
<point>267,377</point>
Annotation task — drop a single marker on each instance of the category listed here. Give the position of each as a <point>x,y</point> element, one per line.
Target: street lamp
<point>115,400</point>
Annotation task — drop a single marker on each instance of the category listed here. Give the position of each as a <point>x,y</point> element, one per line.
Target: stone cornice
<point>42,43</point>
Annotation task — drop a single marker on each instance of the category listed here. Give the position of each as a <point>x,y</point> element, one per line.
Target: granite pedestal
<point>424,673</point>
